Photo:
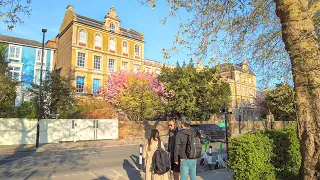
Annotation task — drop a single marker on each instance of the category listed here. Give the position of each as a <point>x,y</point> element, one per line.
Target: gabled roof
<point>130,33</point>
<point>27,42</point>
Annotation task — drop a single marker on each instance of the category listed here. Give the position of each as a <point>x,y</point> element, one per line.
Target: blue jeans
<point>188,167</point>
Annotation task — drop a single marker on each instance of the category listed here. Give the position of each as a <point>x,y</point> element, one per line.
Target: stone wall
<point>141,130</point>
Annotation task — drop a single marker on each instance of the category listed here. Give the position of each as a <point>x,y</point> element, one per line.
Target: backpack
<point>160,161</point>
<point>194,146</point>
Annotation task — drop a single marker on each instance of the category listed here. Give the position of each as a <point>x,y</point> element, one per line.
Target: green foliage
<point>58,97</point>
<point>287,157</point>
<point>281,102</point>
<point>7,85</point>
<point>27,110</point>
<point>139,102</point>
<point>250,157</point>
<point>266,155</point>
<point>196,93</point>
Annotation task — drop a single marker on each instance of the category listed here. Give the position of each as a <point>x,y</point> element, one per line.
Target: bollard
<point>140,157</point>
<point>210,158</point>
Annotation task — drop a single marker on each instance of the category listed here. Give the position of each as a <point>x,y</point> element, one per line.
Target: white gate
<point>56,130</point>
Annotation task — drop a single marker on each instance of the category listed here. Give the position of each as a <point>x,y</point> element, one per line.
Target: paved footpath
<point>93,160</point>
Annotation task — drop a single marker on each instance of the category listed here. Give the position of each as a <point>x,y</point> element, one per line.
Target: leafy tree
<point>7,85</point>
<point>58,97</point>
<point>12,10</point>
<point>139,95</point>
<point>281,103</point>
<point>196,94</point>
<point>260,101</point>
<point>279,35</point>
<point>27,110</point>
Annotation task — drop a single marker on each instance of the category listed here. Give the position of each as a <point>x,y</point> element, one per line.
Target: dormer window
<point>82,37</point>
<point>112,27</point>
<point>97,41</point>
<point>137,51</point>
<point>112,45</point>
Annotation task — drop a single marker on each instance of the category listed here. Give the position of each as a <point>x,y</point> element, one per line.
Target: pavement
<point>89,160</point>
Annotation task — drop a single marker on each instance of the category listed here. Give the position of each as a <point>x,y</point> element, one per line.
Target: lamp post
<point>226,112</point>
<point>40,90</point>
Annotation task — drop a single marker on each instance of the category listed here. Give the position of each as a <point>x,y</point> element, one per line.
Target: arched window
<point>112,27</point>
<point>137,50</point>
<point>125,47</point>
<point>97,41</point>
<point>112,44</point>
<point>82,36</point>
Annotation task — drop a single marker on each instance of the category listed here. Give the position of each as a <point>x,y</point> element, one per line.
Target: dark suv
<point>211,131</point>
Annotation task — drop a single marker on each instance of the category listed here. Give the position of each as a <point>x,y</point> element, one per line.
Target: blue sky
<point>49,14</point>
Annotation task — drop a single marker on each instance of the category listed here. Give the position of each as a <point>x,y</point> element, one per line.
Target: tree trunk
<point>298,34</point>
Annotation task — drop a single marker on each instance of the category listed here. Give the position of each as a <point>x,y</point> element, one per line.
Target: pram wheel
<point>216,165</point>
<point>202,162</point>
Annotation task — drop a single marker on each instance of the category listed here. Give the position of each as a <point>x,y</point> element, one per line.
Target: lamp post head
<point>44,30</point>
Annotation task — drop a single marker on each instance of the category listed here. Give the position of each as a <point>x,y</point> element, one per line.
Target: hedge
<point>265,155</point>
<point>250,157</point>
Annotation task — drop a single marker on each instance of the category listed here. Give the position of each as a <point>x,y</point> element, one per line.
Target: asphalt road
<point>116,163</point>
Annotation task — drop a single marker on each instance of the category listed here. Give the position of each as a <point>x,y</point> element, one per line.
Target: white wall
<point>23,131</point>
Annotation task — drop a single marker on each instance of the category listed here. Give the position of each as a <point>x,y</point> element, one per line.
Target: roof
<point>153,63</point>
<point>225,67</point>
<point>10,39</point>
<point>130,33</point>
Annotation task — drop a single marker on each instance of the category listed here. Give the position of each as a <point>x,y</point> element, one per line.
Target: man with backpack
<point>173,130</point>
<point>188,149</point>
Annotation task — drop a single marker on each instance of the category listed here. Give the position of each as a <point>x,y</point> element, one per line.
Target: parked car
<point>211,131</point>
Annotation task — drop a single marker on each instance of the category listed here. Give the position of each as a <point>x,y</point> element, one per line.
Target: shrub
<point>250,157</point>
<point>286,158</point>
<point>27,110</point>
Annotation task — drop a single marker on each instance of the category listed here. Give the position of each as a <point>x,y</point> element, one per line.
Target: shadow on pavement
<point>102,178</point>
<point>25,165</point>
<point>131,170</point>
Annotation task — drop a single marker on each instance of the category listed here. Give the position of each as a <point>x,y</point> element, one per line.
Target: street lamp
<point>40,90</point>
<point>226,112</point>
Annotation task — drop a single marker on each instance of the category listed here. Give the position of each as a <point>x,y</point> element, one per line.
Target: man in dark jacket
<point>173,130</point>
<point>187,166</point>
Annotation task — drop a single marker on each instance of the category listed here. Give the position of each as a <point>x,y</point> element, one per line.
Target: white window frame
<point>83,39</point>
<point>95,40</point>
<point>134,67</point>
<point>38,67</point>
<point>95,63</point>
<point>93,85</point>
<point>115,44</point>
<point>137,53</point>
<point>14,57</point>
<point>85,59</point>
<point>122,67</point>
<point>147,67</point>
<point>125,50</point>
<point>84,85</point>
<point>13,65</point>
<point>114,65</point>
<point>44,57</point>
<point>113,29</point>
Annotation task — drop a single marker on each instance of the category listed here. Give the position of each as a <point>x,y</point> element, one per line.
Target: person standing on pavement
<point>173,130</point>
<point>187,166</point>
<point>149,148</point>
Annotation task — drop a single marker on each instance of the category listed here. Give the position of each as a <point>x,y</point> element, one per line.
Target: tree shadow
<point>131,170</point>
<point>148,127</point>
<point>25,162</point>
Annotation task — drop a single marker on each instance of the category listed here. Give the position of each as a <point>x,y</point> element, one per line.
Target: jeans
<point>188,167</point>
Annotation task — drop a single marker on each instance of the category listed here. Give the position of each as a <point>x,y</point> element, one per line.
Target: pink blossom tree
<point>139,95</point>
